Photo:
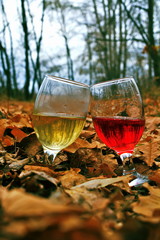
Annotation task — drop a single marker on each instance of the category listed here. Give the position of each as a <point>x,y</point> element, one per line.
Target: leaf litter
<point>84,195</point>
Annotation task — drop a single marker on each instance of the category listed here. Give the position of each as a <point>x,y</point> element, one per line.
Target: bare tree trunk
<point>110,48</point>
<point>149,70</point>
<point>121,41</point>
<point>147,35</point>
<point>124,62</point>
<point>152,51</point>
<point>6,68</point>
<point>26,48</point>
<point>90,59</point>
<point>11,51</point>
<point>9,59</point>
<point>62,21</point>
<point>104,59</point>
<point>88,39</point>
<point>37,65</point>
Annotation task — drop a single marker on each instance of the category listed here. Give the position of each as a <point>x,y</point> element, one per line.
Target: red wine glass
<point>118,117</point>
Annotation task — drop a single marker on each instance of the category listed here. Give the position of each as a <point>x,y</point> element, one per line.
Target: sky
<point>13,18</point>
<point>51,31</point>
<point>52,43</point>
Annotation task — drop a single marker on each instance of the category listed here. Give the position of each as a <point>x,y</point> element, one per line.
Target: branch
<point>97,18</point>
<point>142,8</point>
<point>121,40</point>
<point>138,26</point>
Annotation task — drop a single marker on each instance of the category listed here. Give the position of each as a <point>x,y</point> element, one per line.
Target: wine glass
<point>118,117</point>
<point>60,111</point>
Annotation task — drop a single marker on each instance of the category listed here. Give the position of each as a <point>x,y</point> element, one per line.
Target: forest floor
<point>83,196</point>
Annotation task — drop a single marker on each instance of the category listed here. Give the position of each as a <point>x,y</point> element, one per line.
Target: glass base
<point>128,168</point>
<point>139,180</point>
<point>50,154</point>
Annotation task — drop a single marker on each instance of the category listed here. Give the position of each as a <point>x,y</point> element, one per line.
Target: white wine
<point>56,133</point>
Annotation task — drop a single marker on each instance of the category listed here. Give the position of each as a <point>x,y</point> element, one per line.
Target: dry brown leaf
<point>14,124</point>
<point>22,227</point>
<point>17,164</point>
<point>152,122</point>
<point>155,176</point>
<point>17,203</point>
<point>7,141</point>
<point>64,228</point>
<point>21,120</point>
<point>98,183</point>
<point>15,107</point>
<point>31,145</point>
<point>83,196</point>
<point>87,133</point>
<point>4,125</point>
<point>150,148</point>
<point>40,173</point>
<point>71,178</point>
<point>101,203</point>
<point>80,143</point>
<point>18,134</point>
<point>44,169</point>
<point>148,206</point>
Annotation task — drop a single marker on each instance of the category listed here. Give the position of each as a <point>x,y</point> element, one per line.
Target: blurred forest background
<point>100,40</point>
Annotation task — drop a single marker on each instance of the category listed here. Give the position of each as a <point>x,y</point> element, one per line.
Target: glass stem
<point>128,166</point>
<point>50,155</point>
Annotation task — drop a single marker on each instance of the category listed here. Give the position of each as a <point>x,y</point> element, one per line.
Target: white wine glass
<point>118,117</point>
<point>60,111</point>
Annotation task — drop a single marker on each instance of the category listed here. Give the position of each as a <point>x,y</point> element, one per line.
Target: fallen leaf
<point>152,122</point>
<point>30,145</point>
<point>150,149</point>
<point>87,134</point>
<point>17,164</point>
<point>80,143</point>
<point>7,141</point>
<point>61,227</point>
<point>148,206</point>
<point>21,120</point>
<point>3,124</point>
<point>71,178</point>
<point>98,183</point>
<point>17,203</point>
<point>155,176</point>
<point>44,169</point>
<point>18,134</point>
<point>42,174</point>
<point>83,196</point>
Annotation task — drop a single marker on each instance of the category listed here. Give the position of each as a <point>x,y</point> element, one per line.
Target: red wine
<point>120,134</point>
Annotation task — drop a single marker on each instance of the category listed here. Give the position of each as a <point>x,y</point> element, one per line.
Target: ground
<point>83,195</point>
